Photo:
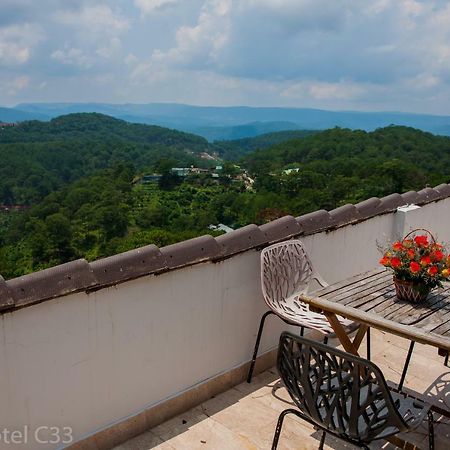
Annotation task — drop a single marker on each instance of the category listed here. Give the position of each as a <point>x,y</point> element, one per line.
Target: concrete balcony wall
<point>352,249</point>
<point>90,360</point>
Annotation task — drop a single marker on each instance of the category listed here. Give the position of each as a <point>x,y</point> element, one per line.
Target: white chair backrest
<point>285,270</point>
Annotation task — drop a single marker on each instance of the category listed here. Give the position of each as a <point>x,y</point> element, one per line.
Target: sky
<point>370,55</point>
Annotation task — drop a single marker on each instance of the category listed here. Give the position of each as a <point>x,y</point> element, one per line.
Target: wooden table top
<point>370,298</point>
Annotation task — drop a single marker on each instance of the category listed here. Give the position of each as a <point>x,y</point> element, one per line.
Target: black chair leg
<point>446,359</point>
<point>258,339</point>
<point>281,417</point>
<point>405,367</point>
<point>325,340</point>
<point>368,343</point>
<point>430,431</point>
<point>322,440</point>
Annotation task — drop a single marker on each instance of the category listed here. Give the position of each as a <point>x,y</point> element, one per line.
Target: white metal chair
<point>286,273</point>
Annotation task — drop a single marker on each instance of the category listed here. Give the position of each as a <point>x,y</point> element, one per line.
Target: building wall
<point>90,360</point>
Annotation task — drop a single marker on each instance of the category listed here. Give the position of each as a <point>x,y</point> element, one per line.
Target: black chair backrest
<point>339,392</point>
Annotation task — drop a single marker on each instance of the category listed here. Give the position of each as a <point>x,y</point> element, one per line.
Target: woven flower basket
<point>410,291</point>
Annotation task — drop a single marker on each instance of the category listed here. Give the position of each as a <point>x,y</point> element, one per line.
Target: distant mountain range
<point>219,123</point>
<point>16,115</point>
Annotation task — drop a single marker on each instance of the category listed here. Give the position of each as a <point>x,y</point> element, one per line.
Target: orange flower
<point>395,262</point>
<point>407,243</point>
<point>425,260</point>
<point>433,270</point>
<point>414,267</point>
<point>445,273</point>
<point>410,253</point>
<point>397,246</point>
<point>385,261</point>
<point>421,241</point>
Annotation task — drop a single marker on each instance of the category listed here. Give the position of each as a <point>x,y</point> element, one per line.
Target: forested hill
<point>237,148</point>
<point>85,201</point>
<point>94,126</point>
<point>391,159</point>
<point>37,158</point>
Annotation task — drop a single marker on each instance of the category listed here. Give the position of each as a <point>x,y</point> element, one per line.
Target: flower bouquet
<point>419,265</point>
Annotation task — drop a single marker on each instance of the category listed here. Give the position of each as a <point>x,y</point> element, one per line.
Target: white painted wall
<point>87,361</point>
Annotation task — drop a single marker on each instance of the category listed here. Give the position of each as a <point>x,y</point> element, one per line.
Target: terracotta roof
<point>80,275</point>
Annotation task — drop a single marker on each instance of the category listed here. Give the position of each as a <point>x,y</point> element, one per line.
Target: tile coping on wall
<point>79,275</point>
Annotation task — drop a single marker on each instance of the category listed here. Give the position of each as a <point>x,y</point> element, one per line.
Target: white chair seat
<point>294,310</point>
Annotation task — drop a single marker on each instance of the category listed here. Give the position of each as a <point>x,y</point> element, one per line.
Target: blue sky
<point>335,54</point>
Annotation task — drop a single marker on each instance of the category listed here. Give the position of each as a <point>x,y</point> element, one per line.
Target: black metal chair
<point>344,395</point>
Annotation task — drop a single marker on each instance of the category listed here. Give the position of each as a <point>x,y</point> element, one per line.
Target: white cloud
<point>97,35</point>
<point>257,38</point>
<point>20,83</point>
<point>109,49</point>
<point>17,43</point>
<point>131,59</point>
<point>74,57</point>
<point>148,73</point>
<point>93,20</point>
<point>423,81</point>
<point>319,90</point>
<point>12,86</point>
<point>300,15</point>
<point>152,6</point>
<point>200,45</point>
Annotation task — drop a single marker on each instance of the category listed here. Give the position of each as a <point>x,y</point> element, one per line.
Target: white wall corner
<point>403,220</point>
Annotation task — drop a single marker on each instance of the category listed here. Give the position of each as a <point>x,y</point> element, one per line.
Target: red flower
<point>397,246</point>
<point>410,253</point>
<point>421,241</point>
<point>385,261</point>
<point>414,267</point>
<point>425,260</point>
<point>433,270</point>
<point>395,262</point>
<point>437,256</point>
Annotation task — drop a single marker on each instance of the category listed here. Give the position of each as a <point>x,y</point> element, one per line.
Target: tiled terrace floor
<point>244,417</point>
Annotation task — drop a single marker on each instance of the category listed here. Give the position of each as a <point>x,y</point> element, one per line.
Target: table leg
<point>348,345</point>
<point>360,335</point>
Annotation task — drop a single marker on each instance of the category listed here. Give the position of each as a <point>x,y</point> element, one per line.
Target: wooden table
<point>369,298</point>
